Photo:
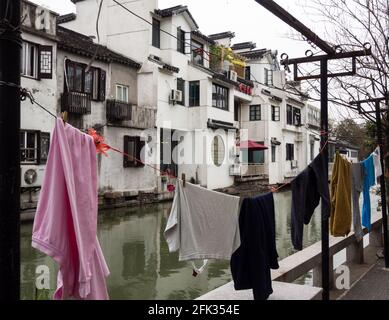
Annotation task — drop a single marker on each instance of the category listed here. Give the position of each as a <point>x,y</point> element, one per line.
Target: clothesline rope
<point>275,190</point>
<point>102,147</point>
<point>99,140</point>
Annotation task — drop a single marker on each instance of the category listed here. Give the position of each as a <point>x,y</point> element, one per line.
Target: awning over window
<point>249,144</point>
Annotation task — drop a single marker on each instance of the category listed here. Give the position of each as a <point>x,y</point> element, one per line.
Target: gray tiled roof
<point>66,18</point>
<point>200,35</point>
<point>254,54</point>
<point>168,12</point>
<point>243,45</point>
<point>78,43</point>
<point>222,35</point>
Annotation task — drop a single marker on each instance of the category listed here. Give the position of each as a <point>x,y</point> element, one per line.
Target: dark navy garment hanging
<point>257,254</point>
<point>307,189</point>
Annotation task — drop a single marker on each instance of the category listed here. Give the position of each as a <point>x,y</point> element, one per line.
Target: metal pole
<point>325,263</point>
<point>10,51</point>
<point>382,183</point>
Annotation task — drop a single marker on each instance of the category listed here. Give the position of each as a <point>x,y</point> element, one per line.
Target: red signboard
<point>245,89</point>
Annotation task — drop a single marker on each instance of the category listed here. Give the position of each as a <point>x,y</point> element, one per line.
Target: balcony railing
<point>76,102</point>
<point>249,170</point>
<point>118,110</point>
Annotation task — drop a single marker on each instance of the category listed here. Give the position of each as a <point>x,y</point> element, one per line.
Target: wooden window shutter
<point>45,66</point>
<point>126,160</point>
<point>102,82</point>
<point>140,152</point>
<point>131,147</point>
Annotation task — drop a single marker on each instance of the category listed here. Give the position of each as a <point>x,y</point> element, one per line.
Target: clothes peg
<point>65,117</point>
<point>183,179</point>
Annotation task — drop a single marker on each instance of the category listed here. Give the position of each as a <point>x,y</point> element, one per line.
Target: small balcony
<point>249,170</point>
<point>118,110</point>
<point>223,60</point>
<point>76,102</point>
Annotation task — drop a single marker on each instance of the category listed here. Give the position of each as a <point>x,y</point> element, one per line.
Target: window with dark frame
<point>29,59</point>
<point>156,41</point>
<point>197,52</point>
<point>133,146</point>
<point>36,61</point>
<point>180,40</point>
<point>45,62</point>
<point>256,156</point>
<point>293,115</point>
<point>275,113</point>
<point>268,77</point>
<point>312,144</point>
<point>273,153</point>
<point>296,116</point>
<point>34,146</point>
<point>181,87</point>
<point>194,93</point>
<point>354,154</point>
<point>247,73</point>
<point>92,82</point>
<point>255,112</point>
<point>220,96</point>
<point>289,114</point>
<point>289,151</point>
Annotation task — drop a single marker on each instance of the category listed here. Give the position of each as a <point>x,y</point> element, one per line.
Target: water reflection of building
<point>131,248</point>
<point>139,260</point>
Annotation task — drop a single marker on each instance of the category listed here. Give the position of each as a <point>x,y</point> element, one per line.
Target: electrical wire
<point>26,94</point>
<point>98,38</point>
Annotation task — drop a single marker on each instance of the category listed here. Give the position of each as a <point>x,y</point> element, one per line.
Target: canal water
<point>139,260</point>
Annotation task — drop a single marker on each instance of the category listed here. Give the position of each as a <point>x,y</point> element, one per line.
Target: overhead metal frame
<point>332,53</point>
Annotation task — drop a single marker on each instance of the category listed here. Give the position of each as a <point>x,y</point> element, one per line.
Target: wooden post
<point>10,54</point>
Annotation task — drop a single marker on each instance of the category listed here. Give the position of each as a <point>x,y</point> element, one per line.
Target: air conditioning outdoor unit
<point>154,57</point>
<point>232,75</point>
<point>294,164</point>
<point>233,152</point>
<point>31,176</point>
<point>176,96</point>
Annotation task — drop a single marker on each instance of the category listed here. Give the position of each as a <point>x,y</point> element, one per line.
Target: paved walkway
<point>373,286</point>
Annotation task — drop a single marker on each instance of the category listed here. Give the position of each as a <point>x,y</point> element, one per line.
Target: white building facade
<point>192,100</point>
<point>278,117</point>
<point>66,71</point>
<point>164,93</point>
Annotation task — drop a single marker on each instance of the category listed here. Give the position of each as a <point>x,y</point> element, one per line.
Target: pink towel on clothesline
<point>65,224</point>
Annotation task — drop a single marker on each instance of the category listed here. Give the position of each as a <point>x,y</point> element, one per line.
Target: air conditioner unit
<point>176,96</point>
<point>232,75</point>
<point>294,164</point>
<point>31,176</point>
<point>233,152</point>
<point>154,57</point>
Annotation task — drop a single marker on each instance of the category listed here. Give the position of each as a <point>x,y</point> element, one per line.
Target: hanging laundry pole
<point>332,53</point>
<point>380,142</point>
<point>10,51</point>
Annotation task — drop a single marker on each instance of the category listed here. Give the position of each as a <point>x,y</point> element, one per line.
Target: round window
<point>218,150</point>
